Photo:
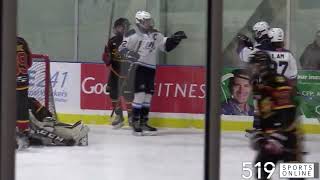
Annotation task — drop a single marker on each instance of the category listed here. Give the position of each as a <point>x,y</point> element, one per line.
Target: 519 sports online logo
<point>286,170</point>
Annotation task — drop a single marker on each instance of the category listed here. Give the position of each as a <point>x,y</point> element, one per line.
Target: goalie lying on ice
<point>45,130</point>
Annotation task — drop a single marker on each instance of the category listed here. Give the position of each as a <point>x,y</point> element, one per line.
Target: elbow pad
<point>106,58</point>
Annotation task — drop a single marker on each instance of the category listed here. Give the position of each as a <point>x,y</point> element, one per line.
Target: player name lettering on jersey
<point>279,55</point>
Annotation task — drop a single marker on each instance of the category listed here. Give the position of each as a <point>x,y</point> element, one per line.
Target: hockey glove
<point>129,55</point>
<point>245,40</point>
<point>173,41</point>
<point>179,35</point>
<point>133,56</point>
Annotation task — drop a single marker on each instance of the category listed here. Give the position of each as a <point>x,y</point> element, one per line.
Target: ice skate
<point>137,131</point>
<point>250,132</point>
<point>118,122</point>
<point>22,141</point>
<point>147,129</point>
<point>130,121</point>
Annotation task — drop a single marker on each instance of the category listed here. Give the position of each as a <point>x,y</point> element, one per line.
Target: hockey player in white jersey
<point>246,48</point>
<point>271,41</point>
<point>285,62</point>
<point>141,46</point>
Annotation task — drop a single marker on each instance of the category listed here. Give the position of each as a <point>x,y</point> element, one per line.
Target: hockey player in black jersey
<point>282,58</point>
<point>277,138</point>
<point>23,63</point>
<point>118,84</point>
<point>141,45</point>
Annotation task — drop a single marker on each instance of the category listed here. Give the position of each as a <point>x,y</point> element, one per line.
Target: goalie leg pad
<point>78,132</point>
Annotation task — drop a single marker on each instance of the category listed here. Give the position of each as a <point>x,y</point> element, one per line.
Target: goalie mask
<point>144,20</point>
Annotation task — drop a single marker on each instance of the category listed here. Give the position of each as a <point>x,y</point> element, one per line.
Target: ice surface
<point>175,154</point>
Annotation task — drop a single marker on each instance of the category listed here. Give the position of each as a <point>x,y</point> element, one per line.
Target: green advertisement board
<point>308,87</point>
<point>309,93</point>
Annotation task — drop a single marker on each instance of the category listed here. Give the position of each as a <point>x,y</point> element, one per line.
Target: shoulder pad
<point>116,39</point>
<point>130,32</point>
<point>113,39</point>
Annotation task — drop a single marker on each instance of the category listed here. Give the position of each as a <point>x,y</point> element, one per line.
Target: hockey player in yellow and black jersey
<point>277,137</point>
<point>118,84</point>
<point>23,63</point>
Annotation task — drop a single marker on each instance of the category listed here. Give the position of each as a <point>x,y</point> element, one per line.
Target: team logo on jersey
<point>150,45</point>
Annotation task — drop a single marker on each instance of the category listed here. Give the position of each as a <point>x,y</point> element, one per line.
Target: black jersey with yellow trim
<point>23,63</point>
<point>119,66</point>
<point>276,105</point>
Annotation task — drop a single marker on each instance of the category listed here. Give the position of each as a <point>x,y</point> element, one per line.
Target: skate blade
<point>137,133</point>
<point>149,133</point>
<point>118,126</point>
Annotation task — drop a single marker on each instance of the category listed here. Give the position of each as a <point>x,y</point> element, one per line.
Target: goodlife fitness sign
<point>178,89</point>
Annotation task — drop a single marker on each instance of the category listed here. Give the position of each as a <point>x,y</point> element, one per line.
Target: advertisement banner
<point>308,87</point>
<point>177,89</point>
<point>309,93</point>
<point>65,82</point>
<point>236,97</point>
<point>94,78</point>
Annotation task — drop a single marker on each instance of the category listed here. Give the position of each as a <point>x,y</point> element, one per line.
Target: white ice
<point>174,154</point>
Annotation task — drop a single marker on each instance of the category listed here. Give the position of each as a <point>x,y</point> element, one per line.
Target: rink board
<point>178,101</point>
<point>231,124</point>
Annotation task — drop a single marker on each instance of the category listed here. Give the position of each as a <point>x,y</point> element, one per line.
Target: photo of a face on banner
<point>237,93</point>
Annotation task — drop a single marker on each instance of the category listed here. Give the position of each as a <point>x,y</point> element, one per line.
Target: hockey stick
<point>112,112</point>
<point>111,18</point>
<point>109,34</point>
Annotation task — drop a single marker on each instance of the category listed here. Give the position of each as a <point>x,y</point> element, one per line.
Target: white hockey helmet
<point>260,28</point>
<point>276,35</point>
<point>144,19</point>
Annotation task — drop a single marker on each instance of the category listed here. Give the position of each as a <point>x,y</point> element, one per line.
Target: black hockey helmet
<point>260,57</point>
<point>121,22</point>
<point>263,60</point>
